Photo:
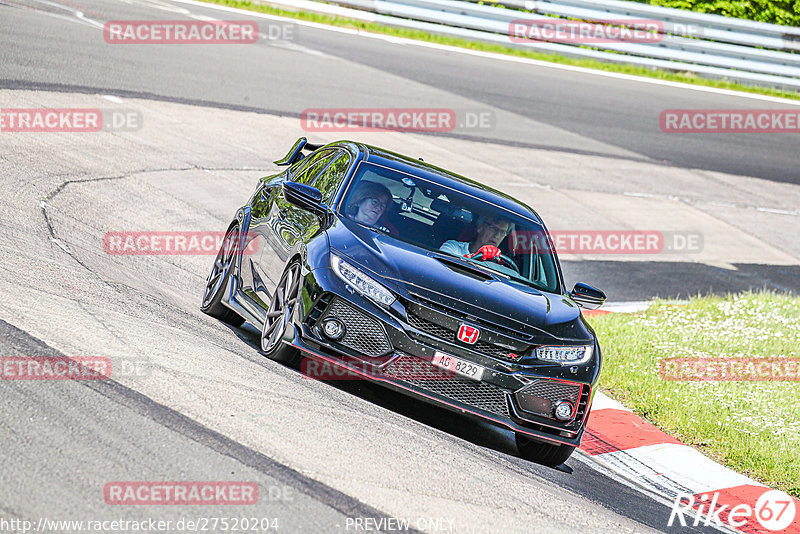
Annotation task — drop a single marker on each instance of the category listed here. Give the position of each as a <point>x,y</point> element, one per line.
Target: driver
<point>490,232</point>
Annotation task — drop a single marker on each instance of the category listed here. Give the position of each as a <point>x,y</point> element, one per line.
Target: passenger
<point>367,205</point>
<point>491,230</point>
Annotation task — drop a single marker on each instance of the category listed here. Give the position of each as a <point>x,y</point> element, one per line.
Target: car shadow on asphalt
<point>457,425</point>
<point>579,476</point>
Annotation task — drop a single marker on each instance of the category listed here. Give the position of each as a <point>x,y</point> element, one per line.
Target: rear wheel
<point>217,281</point>
<point>279,318</point>
<point>543,453</point>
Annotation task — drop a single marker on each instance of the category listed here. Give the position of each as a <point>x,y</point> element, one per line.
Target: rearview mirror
<point>587,296</point>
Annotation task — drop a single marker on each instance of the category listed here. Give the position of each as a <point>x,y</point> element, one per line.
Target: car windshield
<point>450,222</point>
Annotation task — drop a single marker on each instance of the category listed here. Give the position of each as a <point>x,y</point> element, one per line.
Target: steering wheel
<point>502,259</point>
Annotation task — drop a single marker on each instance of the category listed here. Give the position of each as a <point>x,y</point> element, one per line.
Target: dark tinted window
<point>329,179</point>
<point>306,171</point>
<point>448,221</point>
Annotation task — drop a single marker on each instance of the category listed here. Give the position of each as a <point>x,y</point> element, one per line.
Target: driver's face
<point>492,232</point>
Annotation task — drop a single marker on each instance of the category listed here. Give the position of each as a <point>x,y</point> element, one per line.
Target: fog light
<point>563,411</point>
<point>333,328</point>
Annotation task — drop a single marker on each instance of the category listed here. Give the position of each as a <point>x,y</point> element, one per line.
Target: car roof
<point>416,167</point>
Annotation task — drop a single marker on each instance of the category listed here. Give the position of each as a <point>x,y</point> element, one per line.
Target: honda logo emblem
<point>468,334</point>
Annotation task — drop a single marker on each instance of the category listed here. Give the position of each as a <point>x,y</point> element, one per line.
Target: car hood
<point>415,272</point>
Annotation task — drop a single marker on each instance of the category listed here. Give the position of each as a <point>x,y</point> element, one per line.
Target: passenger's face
<point>491,232</point>
<point>370,209</point>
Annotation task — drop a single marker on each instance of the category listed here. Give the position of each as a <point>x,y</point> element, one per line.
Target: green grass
<point>684,77</point>
<point>752,427</point>
<point>785,12</point>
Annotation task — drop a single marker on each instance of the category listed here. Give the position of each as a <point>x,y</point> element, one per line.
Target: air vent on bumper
<point>362,333</point>
<point>542,396</point>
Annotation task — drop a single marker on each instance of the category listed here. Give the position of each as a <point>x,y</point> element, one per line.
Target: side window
<point>305,174</point>
<point>329,179</point>
<point>299,166</point>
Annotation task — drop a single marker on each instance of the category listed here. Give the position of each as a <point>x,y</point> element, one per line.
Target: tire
<point>217,281</point>
<point>279,318</point>
<point>543,453</point>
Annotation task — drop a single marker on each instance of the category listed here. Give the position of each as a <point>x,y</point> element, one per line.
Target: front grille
<point>492,350</point>
<point>363,334</point>
<point>539,396</point>
<point>451,311</point>
<point>430,328</point>
<point>445,334</point>
<point>426,376</point>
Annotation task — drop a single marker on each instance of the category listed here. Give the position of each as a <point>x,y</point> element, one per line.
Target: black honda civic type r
<point>416,278</point>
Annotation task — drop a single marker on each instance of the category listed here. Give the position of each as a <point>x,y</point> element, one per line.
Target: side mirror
<point>307,198</point>
<point>587,296</point>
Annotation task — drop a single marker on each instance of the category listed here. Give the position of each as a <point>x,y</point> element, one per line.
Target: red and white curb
<point>627,445</point>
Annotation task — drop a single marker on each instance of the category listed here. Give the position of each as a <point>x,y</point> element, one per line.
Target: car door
<point>299,225</point>
<point>252,278</point>
<point>278,225</point>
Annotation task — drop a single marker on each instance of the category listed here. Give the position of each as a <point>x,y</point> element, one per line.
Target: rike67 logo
<point>774,511</point>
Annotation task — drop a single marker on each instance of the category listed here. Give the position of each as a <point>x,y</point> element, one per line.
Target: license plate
<point>458,366</point>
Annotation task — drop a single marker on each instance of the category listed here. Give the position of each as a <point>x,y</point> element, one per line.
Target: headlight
<point>566,354</point>
<point>361,282</point>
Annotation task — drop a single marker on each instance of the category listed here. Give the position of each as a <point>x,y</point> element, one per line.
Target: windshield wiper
<point>486,270</point>
<point>464,268</point>
<point>470,263</point>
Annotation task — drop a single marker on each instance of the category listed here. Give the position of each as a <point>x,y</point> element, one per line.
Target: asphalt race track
<point>191,399</point>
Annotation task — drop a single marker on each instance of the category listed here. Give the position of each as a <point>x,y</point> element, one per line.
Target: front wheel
<point>217,281</point>
<point>279,318</point>
<point>543,453</point>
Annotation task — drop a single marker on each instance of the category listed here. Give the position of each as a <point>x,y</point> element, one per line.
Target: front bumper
<point>402,361</point>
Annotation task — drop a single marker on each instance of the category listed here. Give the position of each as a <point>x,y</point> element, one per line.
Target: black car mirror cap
<point>308,198</point>
<point>325,217</point>
<point>587,296</point>
<point>301,195</point>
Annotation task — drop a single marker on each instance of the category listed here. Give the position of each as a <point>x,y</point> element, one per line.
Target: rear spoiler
<point>296,152</point>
